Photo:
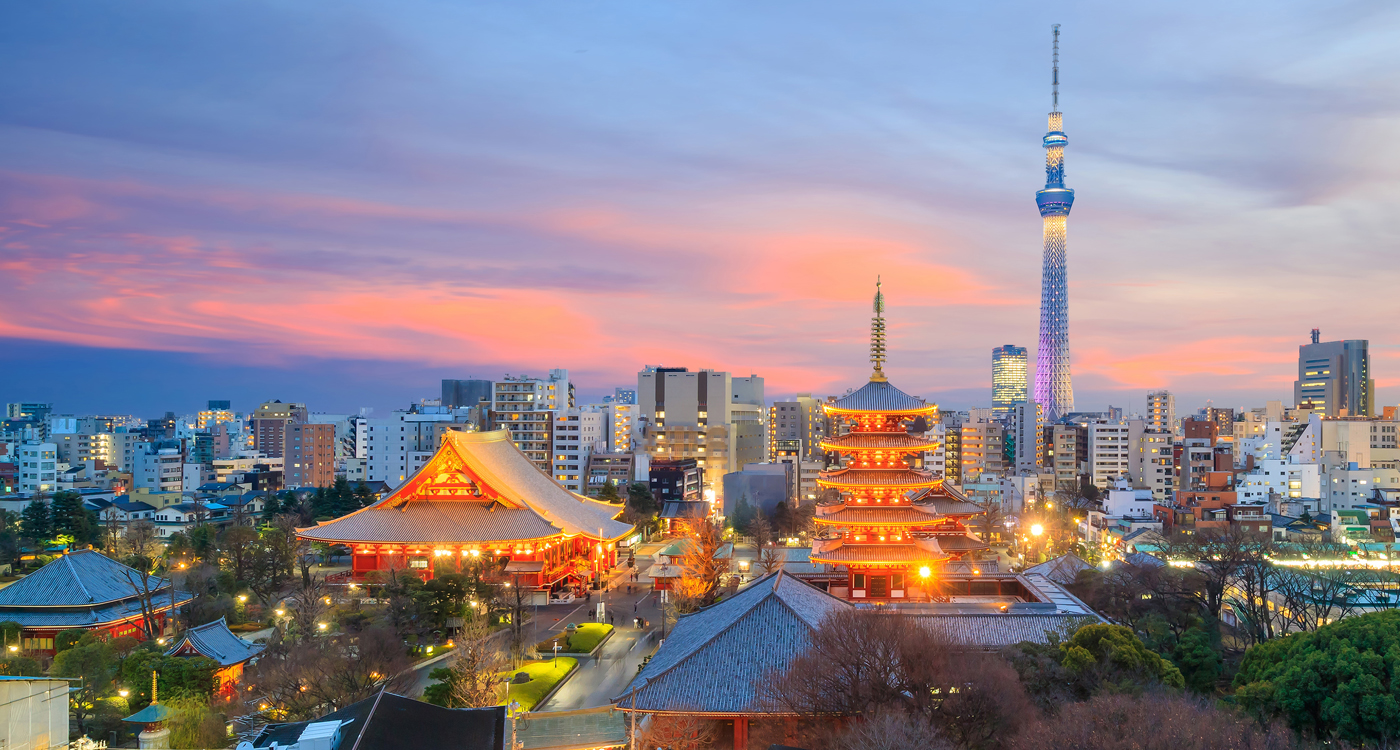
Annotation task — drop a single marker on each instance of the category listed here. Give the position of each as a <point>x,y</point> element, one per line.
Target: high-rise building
<point>797,427</point>
<point>1053,390</point>
<point>457,393</point>
<point>269,426</point>
<point>1008,377</point>
<point>310,455</point>
<point>1333,376</point>
<point>1161,412</point>
<point>718,419</point>
<point>527,407</point>
<point>1027,435</point>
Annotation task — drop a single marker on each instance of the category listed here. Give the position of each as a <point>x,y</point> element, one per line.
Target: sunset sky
<point>341,203</point>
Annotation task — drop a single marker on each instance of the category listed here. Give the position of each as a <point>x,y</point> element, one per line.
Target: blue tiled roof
<point>880,396</point>
<point>87,617</point>
<point>80,579</point>
<point>216,641</point>
<point>711,662</point>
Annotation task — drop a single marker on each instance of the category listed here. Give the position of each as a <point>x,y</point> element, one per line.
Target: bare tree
<point>303,680</point>
<point>309,604</point>
<point>1154,721</point>
<point>771,558</point>
<point>680,732</point>
<point>889,730</point>
<point>474,677</point>
<point>863,662</point>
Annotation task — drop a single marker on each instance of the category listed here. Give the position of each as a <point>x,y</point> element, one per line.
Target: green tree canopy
<point>1096,659</point>
<point>609,492</point>
<point>36,521</point>
<point>1341,680</point>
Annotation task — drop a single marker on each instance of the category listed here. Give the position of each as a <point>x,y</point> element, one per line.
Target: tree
<point>304,680</point>
<point>364,496</point>
<point>701,567</point>
<point>93,661</point>
<point>680,732</point>
<point>473,680</point>
<point>68,517</point>
<point>67,639</point>
<point>36,520</point>
<point>861,663</point>
<point>744,515</point>
<point>20,666</point>
<point>191,676</point>
<point>608,493</point>
<point>1198,659</point>
<point>1339,681</point>
<point>1096,658</point>
<point>1153,721</point>
<point>889,730</point>
<point>237,544</point>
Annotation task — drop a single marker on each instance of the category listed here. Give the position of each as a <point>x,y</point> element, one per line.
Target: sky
<point>342,203</point>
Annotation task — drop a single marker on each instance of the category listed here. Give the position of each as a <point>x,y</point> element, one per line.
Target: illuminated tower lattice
<point>1053,390</point>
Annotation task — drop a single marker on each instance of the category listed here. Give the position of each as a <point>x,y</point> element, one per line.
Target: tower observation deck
<point>1053,389</point>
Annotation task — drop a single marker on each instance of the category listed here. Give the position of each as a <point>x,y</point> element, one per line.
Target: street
<point>596,680</point>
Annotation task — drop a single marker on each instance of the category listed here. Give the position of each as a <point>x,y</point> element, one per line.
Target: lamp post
<point>924,575</point>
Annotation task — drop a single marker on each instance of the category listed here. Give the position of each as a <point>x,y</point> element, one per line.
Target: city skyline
<point>365,242</point>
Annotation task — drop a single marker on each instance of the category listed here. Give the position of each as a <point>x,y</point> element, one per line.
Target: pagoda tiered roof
<point>477,488</point>
<point>83,589</point>
<point>901,478</point>
<point>945,500</point>
<point>879,441</point>
<point>893,515</point>
<point>881,554</point>
<point>879,397</point>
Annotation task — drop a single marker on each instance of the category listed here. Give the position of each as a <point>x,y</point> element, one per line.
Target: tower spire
<point>1053,389</point>
<point>877,336</point>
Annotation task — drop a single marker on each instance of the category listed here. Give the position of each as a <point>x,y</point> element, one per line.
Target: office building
<point>1113,445</point>
<point>269,426</point>
<point>715,418</point>
<point>1027,432</point>
<point>1334,378</point>
<point>526,407</point>
<point>797,427</point>
<point>38,468</point>
<point>1161,412</point>
<point>310,455</point>
<point>1008,377</point>
<point>457,393</point>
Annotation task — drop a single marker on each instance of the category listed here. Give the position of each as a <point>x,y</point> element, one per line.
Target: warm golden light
<point>924,572</point>
<point>242,598</point>
<point>123,692</point>
<point>1037,530</point>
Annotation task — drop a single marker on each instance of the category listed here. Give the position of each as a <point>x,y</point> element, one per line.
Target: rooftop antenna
<point>1055,78</point>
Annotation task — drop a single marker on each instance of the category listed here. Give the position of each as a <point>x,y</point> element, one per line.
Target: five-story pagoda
<point>882,517</point>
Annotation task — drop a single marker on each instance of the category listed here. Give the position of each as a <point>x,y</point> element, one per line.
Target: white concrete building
<point>577,433</point>
<point>713,417</point>
<point>1301,483</point>
<point>38,467</point>
<point>1112,447</point>
<point>160,469</point>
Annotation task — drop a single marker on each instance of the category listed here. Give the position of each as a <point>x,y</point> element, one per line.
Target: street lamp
<point>242,598</point>
<point>14,649</point>
<point>924,574</point>
<point>123,692</point>
<point>1037,529</point>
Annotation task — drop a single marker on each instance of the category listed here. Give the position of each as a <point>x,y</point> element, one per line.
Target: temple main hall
<point>480,497</point>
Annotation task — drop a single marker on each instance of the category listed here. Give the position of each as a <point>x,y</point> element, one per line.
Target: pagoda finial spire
<point>154,697</point>
<point>877,336</point>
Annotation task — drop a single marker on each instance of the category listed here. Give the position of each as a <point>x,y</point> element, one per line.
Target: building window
<point>857,580</point>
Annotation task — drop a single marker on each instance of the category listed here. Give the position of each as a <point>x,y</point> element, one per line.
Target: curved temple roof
<point>878,396</point>
<point>478,487</point>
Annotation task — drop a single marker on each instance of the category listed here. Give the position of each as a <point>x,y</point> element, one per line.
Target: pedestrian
<point>610,618</point>
<point>629,588</point>
<point>634,607</point>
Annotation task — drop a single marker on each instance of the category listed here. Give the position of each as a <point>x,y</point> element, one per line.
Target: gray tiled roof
<point>880,396</point>
<point>993,631</point>
<point>79,579</point>
<point>427,522</point>
<point>714,657</point>
<point>1062,569</point>
<point>216,641</point>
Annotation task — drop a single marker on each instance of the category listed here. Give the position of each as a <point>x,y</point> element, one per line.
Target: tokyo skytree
<point>1053,390</point>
